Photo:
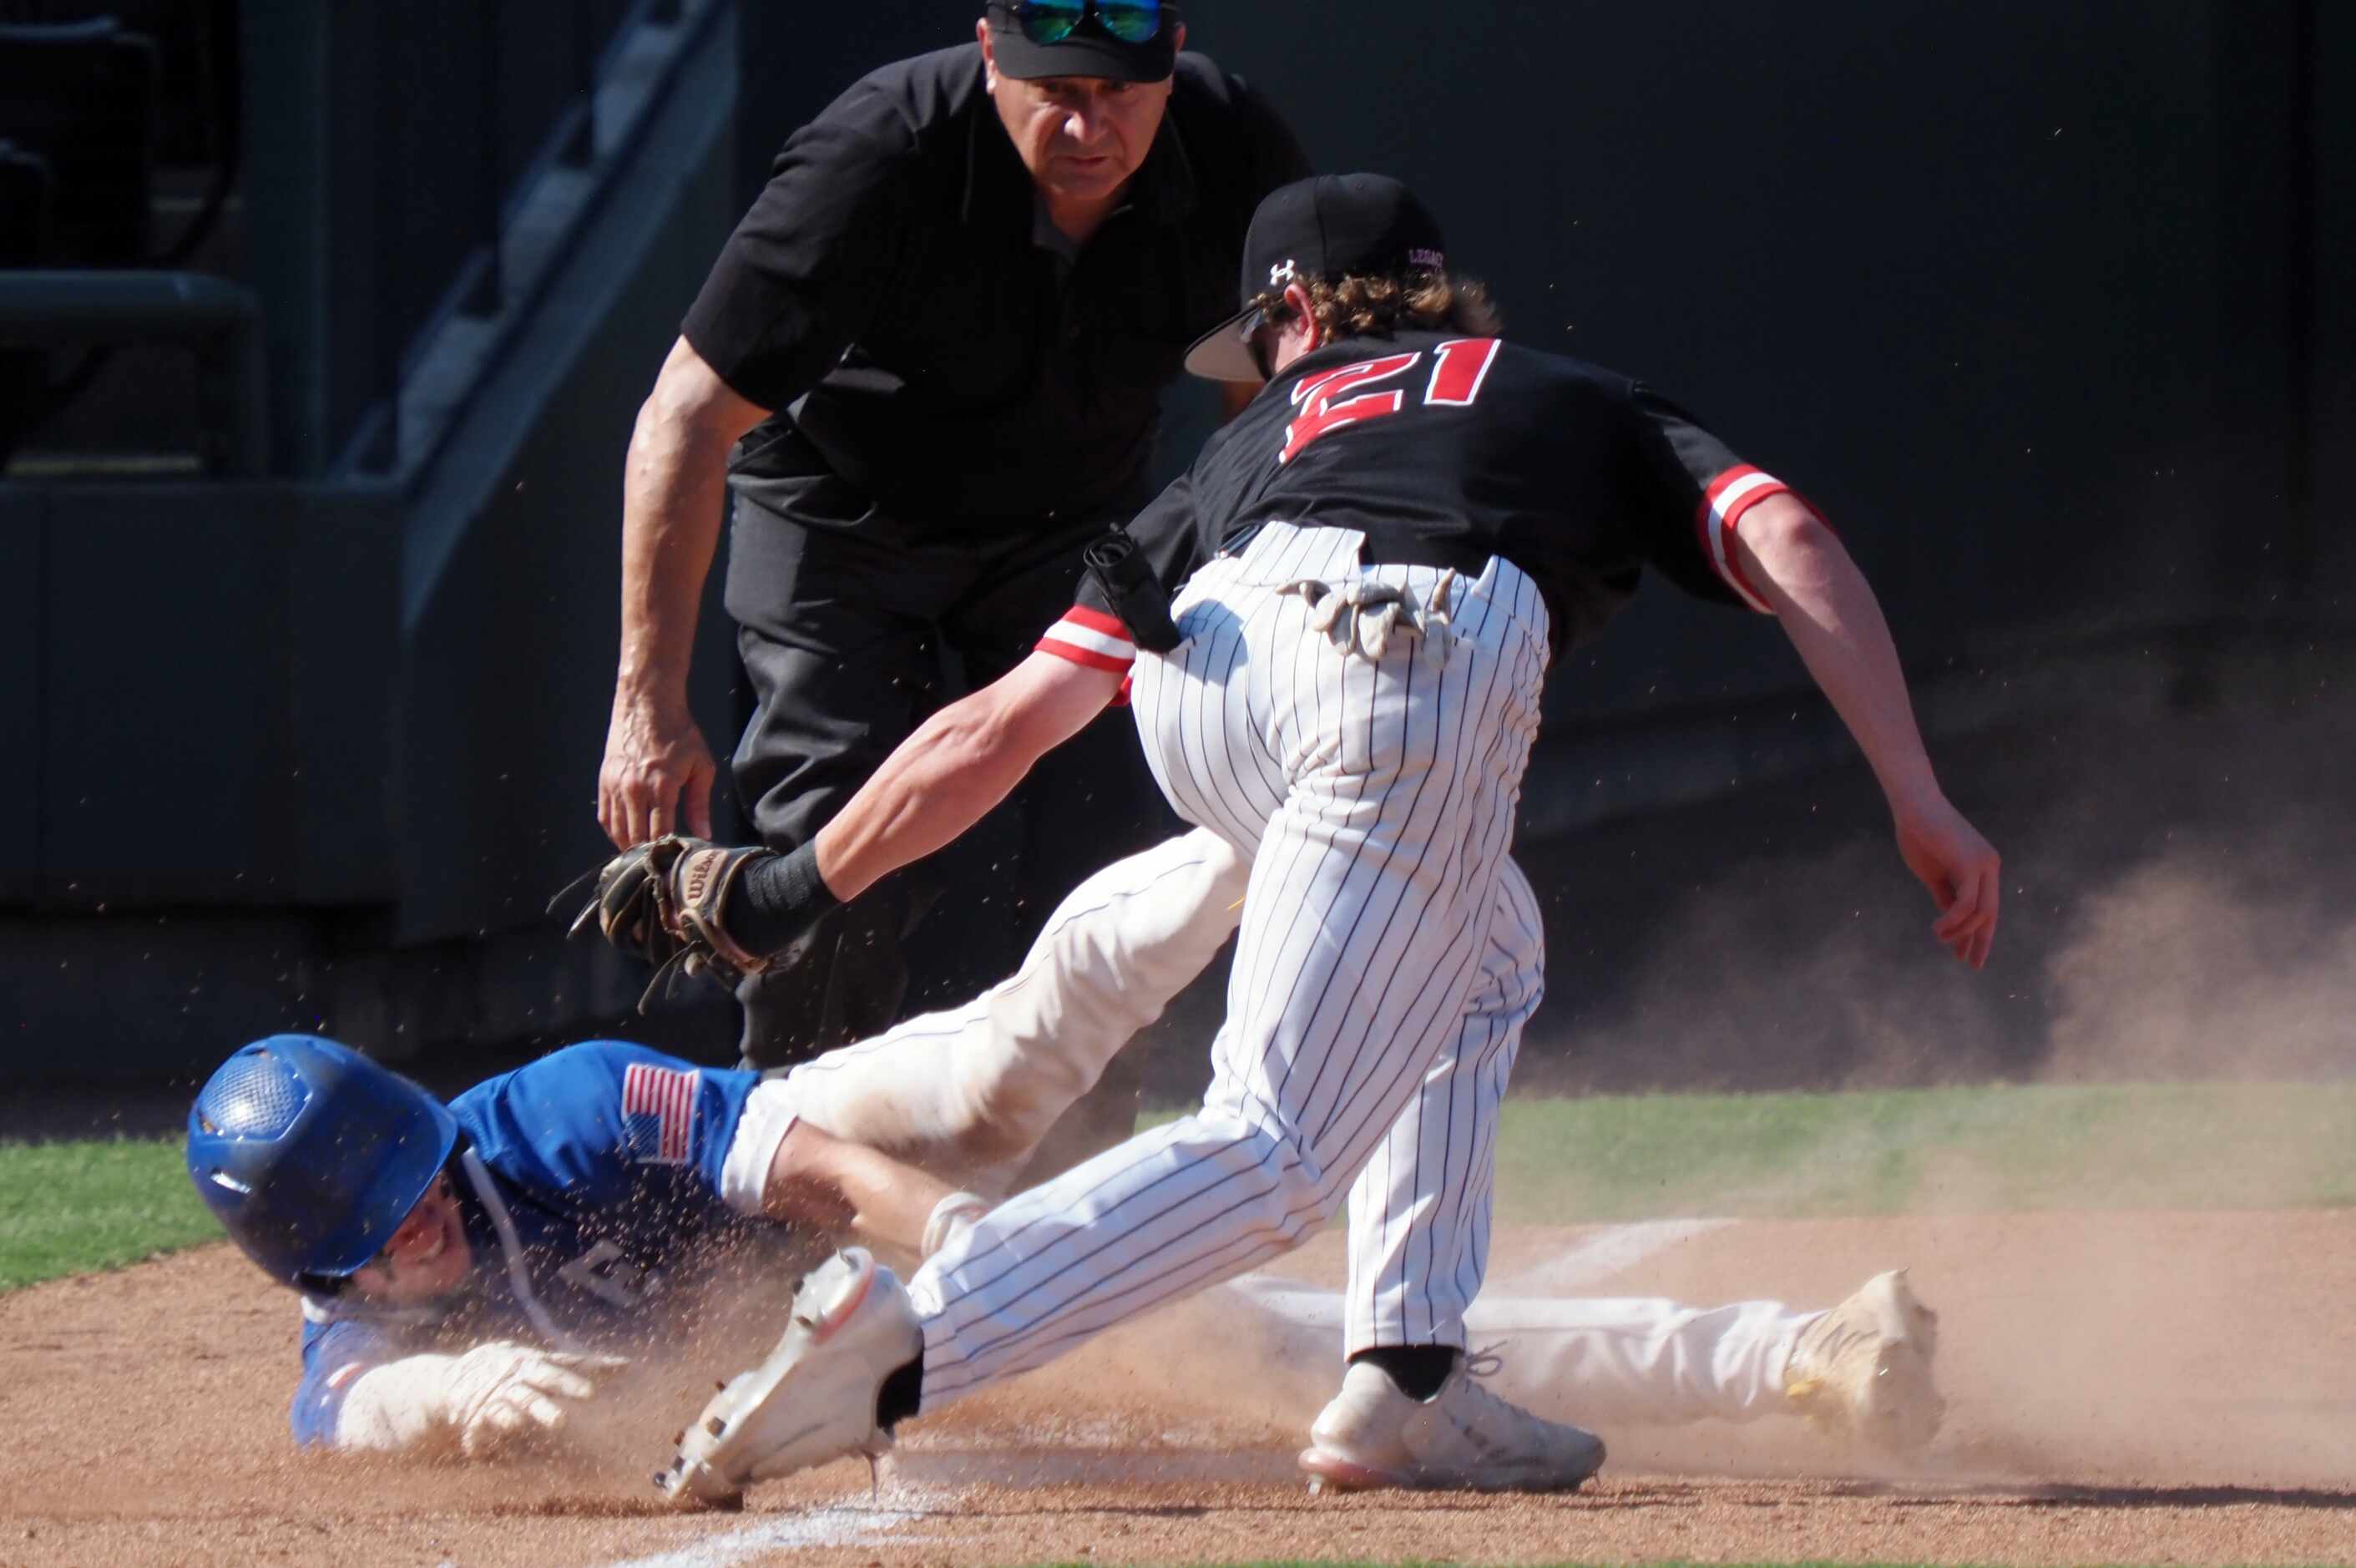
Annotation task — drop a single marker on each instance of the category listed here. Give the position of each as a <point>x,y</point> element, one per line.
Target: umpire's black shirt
<point>950,357</point>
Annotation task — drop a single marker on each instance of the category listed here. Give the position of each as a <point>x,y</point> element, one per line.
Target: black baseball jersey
<point>1444,451</point>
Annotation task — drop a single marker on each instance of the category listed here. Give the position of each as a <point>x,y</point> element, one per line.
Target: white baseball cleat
<point>1864,1367</point>
<point>814,1399</point>
<point>1463,1438</point>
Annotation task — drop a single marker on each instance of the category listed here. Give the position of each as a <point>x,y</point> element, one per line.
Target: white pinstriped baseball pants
<point>1386,958</point>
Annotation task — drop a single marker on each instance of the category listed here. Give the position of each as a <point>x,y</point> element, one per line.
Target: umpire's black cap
<point>1091,38</point>
<point>1328,226</point>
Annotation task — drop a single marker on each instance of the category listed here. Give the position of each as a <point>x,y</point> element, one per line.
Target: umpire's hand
<point>658,774</point>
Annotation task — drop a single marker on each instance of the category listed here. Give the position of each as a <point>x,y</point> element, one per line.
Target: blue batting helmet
<point>311,1155</point>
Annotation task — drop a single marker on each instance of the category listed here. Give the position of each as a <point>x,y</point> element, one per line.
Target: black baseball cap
<point>1330,226</point>
<point>1089,48</point>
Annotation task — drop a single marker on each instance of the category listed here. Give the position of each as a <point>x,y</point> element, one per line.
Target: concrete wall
<point>194,762</point>
<point>209,668</point>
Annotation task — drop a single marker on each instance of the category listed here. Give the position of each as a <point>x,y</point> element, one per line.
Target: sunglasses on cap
<point>1052,21</point>
<point>1248,330</point>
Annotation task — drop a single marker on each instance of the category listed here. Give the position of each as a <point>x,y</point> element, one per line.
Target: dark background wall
<point>2025,297</point>
<point>2033,301</point>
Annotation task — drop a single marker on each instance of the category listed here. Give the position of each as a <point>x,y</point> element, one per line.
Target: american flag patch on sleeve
<point>658,1114</point>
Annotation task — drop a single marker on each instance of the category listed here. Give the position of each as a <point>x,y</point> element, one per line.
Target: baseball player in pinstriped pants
<point>1383,793</point>
<point>1373,567</point>
<point>1398,821</point>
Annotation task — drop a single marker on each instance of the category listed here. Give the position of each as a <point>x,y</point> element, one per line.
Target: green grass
<point>1929,1151</point>
<point>71,1209</point>
<point>1619,1157</point>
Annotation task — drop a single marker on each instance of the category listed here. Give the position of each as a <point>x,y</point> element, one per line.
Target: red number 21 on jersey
<point>1327,402</point>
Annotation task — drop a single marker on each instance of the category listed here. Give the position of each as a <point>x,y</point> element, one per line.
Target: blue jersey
<point>590,1186</point>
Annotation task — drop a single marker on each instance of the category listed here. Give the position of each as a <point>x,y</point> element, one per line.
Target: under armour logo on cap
<point>1330,226</point>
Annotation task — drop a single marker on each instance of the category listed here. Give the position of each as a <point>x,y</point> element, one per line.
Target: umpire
<point>928,366</point>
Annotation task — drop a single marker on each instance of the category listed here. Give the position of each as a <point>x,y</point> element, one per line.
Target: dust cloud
<point>2180,913</point>
<point>2211,961</point>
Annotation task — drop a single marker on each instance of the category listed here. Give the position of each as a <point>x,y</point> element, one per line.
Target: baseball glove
<point>665,901</point>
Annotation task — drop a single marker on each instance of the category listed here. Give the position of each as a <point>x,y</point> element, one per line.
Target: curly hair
<point>1364,306</point>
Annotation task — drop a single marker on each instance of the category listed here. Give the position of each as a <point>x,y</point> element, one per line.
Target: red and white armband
<point>1731,495</point>
<point>1091,637</point>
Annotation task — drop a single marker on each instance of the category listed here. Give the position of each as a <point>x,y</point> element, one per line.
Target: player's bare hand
<point>1948,856</point>
<point>658,774</point>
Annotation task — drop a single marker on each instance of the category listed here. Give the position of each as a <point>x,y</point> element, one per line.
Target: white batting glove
<point>500,1392</point>
<point>952,1217</point>
<point>493,1395</point>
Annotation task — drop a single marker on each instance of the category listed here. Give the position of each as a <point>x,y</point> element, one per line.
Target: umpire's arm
<point>959,763</point>
<point>658,773</point>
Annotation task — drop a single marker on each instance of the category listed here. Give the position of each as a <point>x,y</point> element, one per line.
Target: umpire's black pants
<point>848,619</point>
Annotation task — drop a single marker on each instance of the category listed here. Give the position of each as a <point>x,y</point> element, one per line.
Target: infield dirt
<point>2126,1388</point>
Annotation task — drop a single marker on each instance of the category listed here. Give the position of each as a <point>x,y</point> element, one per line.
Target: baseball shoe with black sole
<point>1864,1367</point>
<point>1463,1438</point>
<point>814,1399</point>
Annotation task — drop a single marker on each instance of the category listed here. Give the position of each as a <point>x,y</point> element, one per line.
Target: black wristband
<point>798,871</point>
<point>783,896</point>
